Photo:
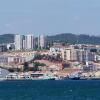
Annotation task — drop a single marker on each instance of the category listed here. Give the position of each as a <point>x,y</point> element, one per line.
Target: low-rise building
<point>3,48</point>
<point>81,55</point>
<point>16,57</point>
<point>66,54</point>
<point>84,55</point>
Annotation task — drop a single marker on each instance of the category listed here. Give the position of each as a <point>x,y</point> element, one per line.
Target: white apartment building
<point>29,42</point>
<point>54,50</point>
<point>17,57</point>
<point>84,55</point>
<point>81,55</point>
<point>66,54</point>
<point>11,59</point>
<point>41,41</point>
<point>18,42</point>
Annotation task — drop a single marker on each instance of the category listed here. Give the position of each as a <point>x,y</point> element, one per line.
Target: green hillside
<point>65,37</point>
<point>6,38</point>
<point>72,38</point>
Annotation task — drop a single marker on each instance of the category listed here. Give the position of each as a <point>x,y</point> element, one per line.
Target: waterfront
<point>50,90</point>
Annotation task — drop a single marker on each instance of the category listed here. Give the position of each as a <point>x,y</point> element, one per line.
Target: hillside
<point>72,38</point>
<point>65,37</point>
<point>6,38</point>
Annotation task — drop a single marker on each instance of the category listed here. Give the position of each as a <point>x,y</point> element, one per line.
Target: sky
<point>50,16</point>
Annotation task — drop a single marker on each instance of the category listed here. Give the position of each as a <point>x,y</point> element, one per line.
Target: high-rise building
<point>18,42</point>
<point>41,41</point>
<point>24,44</point>
<point>29,40</point>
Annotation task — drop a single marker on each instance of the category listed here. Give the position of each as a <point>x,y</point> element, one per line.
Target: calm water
<point>50,90</point>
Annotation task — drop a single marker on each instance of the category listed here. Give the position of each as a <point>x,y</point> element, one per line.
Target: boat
<point>74,76</point>
<point>17,76</point>
<point>48,77</point>
<point>42,76</point>
<point>11,76</point>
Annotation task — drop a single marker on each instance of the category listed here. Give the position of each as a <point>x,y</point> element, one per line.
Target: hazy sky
<point>50,16</point>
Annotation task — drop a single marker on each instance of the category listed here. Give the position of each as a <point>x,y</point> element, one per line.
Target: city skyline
<point>50,17</point>
<point>28,42</point>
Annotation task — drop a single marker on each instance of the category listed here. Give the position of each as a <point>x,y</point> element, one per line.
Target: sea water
<point>50,90</point>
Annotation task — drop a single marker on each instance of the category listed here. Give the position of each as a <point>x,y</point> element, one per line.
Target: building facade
<point>29,40</point>
<point>18,42</point>
<point>41,41</point>
<point>3,48</point>
<point>66,54</point>
<point>80,55</point>
<point>85,55</point>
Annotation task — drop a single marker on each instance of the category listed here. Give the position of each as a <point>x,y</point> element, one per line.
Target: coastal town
<point>34,59</point>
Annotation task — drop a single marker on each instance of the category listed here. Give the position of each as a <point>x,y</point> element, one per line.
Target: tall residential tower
<point>29,40</point>
<point>18,42</point>
<point>41,41</point>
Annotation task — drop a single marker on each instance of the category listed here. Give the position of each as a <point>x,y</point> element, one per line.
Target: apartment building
<point>29,42</point>
<point>18,42</point>
<point>41,41</point>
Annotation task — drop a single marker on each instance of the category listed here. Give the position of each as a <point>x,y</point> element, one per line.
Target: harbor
<point>78,75</point>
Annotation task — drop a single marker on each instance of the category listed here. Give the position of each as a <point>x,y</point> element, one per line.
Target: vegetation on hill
<point>63,38</point>
<point>72,38</point>
<point>6,38</point>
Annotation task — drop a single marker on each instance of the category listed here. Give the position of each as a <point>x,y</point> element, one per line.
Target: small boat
<point>47,77</point>
<point>74,76</point>
<point>42,76</point>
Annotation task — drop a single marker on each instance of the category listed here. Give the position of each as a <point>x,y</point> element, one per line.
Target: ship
<point>75,76</point>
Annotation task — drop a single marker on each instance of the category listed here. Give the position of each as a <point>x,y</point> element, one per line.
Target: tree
<point>10,48</point>
<point>36,66</point>
<point>65,65</point>
<point>14,70</point>
<point>26,66</point>
<point>11,70</point>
